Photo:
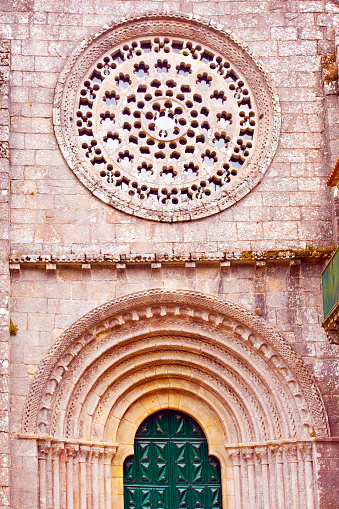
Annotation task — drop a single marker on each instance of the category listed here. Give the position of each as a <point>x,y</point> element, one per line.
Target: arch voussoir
<point>224,347</point>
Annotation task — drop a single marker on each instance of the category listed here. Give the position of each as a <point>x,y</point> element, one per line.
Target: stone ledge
<point>15,260</point>
<point>48,438</point>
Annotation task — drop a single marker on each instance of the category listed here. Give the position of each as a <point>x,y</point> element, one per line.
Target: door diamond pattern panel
<point>171,468</point>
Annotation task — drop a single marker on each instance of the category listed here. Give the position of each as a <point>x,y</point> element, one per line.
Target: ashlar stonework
<point>165,223</point>
<point>166,128</point>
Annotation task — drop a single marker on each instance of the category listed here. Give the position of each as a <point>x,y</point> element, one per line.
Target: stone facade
<point>119,316</point>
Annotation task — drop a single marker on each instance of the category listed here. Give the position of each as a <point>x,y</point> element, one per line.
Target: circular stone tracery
<point>168,128</point>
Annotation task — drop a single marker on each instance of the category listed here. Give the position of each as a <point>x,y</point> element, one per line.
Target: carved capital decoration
<point>234,454</point>
<point>292,453</point>
<point>278,450</point>
<point>306,450</point>
<point>109,453</point>
<point>44,447</point>
<point>84,452</point>
<point>248,455</point>
<point>71,451</point>
<point>166,117</point>
<point>57,449</point>
<point>228,338</point>
<point>96,453</point>
<point>262,454</point>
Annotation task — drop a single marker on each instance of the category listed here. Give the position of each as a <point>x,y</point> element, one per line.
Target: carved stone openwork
<point>166,118</point>
<point>224,366</point>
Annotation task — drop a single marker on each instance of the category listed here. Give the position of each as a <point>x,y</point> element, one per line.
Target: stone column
<point>96,453</point>
<point>235,455</point>
<point>306,450</point>
<point>292,453</point>
<point>248,455</point>
<point>84,452</point>
<point>109,453</point>
<point>71,452</point>
<point>57,449</point>
<point>262,453</point>
<point>43,450</point>
<point>277,451</point>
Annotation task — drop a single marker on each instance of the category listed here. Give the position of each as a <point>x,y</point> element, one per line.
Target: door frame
<point>190,404</point>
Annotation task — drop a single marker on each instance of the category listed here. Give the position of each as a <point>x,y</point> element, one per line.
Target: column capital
<point>262,454</point>
<point>306,450</point>
<point>84,452</point>
<point>97,452</point>
<point>71,451</point>
<point>109,453</point>
<point>248,455</point>
<point>57,449</point>
<point>234,453</point>
<point>292,452</point>
<point>278,450</point>
<point>44,447</point>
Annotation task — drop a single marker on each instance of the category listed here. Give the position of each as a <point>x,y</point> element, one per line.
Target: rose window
<point>167,128</point>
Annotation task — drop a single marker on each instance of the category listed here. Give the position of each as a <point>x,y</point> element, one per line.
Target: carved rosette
<point>166,118</point>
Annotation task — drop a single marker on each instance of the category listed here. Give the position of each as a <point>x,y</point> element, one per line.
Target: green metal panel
<point>171,468</point>
<point>330,284</point>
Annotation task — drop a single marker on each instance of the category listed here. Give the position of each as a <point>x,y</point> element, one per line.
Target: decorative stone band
<point>260,474</point>
<point>74,470</point>
<point>214,328</point>
<point>222,257</point>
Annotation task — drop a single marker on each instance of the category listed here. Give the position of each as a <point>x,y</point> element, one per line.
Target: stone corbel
<point>329,64</point>
<point>333,334</point>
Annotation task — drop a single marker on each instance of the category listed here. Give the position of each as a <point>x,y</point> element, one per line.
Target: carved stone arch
<point>236,342</point>
<point>227,368</point>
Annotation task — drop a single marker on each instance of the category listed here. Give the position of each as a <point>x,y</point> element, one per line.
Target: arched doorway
<point>228,369</point>
<point>170,466</point>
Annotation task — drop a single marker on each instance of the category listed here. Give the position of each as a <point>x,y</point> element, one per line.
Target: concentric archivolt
<point>166,117</point>
<point>149,344</point>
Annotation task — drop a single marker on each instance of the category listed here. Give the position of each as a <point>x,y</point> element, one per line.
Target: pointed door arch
<point>171,468</point>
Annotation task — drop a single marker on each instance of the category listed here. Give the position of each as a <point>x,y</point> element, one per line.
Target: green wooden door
<point>171,468</point>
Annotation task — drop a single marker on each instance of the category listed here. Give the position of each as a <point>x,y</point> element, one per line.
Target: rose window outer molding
<point>166,118</point>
